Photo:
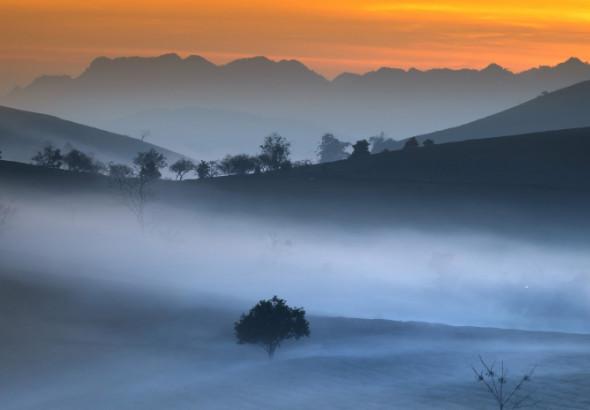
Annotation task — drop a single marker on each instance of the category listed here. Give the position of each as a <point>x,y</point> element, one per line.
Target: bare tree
<point>496,383</point>
<point>5,212</point>
<point>124,180</point>
<point>133,184</point>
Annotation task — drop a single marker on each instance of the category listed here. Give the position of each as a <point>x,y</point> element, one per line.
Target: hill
<point>551,159</point>
<point>293,99</point>
<point>540,183</point>
<point>565,108</point>
<point>23,133</point>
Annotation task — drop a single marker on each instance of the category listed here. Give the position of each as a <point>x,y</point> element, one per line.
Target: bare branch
<point>495,383</point>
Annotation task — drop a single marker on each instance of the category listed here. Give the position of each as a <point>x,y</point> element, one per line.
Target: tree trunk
<point>271,350</point>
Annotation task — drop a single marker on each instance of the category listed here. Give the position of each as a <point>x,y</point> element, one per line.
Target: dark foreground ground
<point>86,346</point>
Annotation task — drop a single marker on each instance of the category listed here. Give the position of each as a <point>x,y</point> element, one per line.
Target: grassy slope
<point>23,133</point>
<point>562,109</point>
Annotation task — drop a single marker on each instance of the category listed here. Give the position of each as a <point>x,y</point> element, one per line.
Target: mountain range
<point>207,110</point>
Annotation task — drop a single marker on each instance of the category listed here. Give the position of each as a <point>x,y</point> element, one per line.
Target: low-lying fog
<point>400,274</point>
<point>96,313</point>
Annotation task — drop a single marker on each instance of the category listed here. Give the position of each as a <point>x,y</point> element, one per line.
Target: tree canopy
<point>360,149</point>
<point>275,152</point>
<point>149,164</point>
<point>332,149</point>
<point>411,143</point>
<point>49,157</point>
<point>78,161</point>
<point>271,322</point>
<point>182,167</point>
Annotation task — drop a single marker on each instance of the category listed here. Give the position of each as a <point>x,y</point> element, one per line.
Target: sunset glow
<point>62,36</point>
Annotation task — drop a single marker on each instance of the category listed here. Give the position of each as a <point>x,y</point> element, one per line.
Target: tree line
<point>274,155</point>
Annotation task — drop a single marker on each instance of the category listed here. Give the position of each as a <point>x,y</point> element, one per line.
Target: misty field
<point>89,346</point>
<point>99,312</point>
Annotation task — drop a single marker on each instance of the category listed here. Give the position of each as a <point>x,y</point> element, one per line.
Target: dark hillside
<point>562,109</point>
<point>531,185</point>
<point>23,133</point>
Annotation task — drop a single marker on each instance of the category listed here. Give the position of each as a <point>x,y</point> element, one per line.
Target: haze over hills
<point>24,133</point>
<point>173,97</point>
<point>561,109</point>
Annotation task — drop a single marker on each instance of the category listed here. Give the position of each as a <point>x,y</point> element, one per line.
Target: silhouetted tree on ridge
<point>182,167</point>
<point>240,164</point>
<point>411,143</point>
<point>206,169</point>
<point>275,152</point>
<point>380,143</point>
<point>149,164</point>
<point>78,161</point>
<point>49,157</point>
<point>360,149</point>
<point>332,149</point>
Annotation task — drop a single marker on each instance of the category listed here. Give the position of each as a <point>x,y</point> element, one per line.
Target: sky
<point>331,36</point>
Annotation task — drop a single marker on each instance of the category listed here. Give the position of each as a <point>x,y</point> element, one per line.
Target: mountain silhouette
<point>561,109</point>
<point>24,133</point>
<point>111,93</point>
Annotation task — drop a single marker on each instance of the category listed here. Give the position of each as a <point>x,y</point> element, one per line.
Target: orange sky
<point>62,36</point>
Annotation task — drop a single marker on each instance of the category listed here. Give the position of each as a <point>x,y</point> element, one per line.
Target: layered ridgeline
<point>23,133</point>
<point>561,109</point>
<point>208,108</point>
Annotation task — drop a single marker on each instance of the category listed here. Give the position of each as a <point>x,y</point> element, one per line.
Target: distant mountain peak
<point>102,61</point>
<point>495,69</point>
<point>573,62</point>
<point>169,57</point>
<point>197,58</point>
<point>251,61</point>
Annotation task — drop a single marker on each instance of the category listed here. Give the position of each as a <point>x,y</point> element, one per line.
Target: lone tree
<point>49,157</point>
<point>271,322</point>
<point>496,382</point>
<point>332,149</point>
<point>428,143</point>
<point>275,152</point>
<point>182,167</point>
<point>360,149</point>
